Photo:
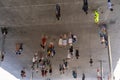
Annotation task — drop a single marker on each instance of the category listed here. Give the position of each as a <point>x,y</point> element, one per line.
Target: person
<point>71,50</point>
<point>2,57</point>
<point>64,40</point>
<point>91,61</point>
<point>74,73</point>
<point>23,73</point>
<point>43,41</point>
<point>65,63</point>
<point>4,30</point>
<point>68,55</point>
<point>96,17</point>
<point>110,5</point>
<point>58,11</point>
<point>103,34</point>
<point>35,62</point>
<point>85,6</point>
<point>50,69</point>
<point>70,41</point>
<point>19,48</point>
<point>77,53</point>
<point>106,40</point>
<point>60,68</point>
<point>60,42</point>
<point>83,76</point>
<point>43,72</point>
<point>51,51</point>
<point>74,38</point>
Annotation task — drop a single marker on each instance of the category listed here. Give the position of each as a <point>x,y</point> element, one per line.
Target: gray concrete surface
<point>28,20</point>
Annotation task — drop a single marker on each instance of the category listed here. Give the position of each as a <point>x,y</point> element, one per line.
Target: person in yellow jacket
<point>96,17</point>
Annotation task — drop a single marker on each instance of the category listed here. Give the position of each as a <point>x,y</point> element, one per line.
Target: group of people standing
<point>68,41</point>
<point>41,60</point>
<point>49,47</point>
<point>65,40</point>
<point>63,66</point>
<point>41,63</point>
<point>72,52</point>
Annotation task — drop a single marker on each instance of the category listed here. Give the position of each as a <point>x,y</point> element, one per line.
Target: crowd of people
<point>41,61</point>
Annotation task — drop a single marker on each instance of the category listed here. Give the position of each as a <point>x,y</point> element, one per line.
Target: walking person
<point>74,73</point>
<point>77,53</point>
<point>110,5</point>
<point>58,14</point>
<point>43,41</point>
<point>96,17</point>
<point>71,50</point>
<point>60,68</point>
<point>83,76</point>
<point>23,73</point>
<point>43,72</point>
<point>65,63</point>
<point>64,40</point>
<point>19,48</point>
<point>85,6</point>
<point>50,70</point>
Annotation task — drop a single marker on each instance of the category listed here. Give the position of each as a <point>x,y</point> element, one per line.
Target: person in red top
<point>43,41</point>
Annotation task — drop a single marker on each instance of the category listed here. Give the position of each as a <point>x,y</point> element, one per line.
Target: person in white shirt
<point>60,42</point>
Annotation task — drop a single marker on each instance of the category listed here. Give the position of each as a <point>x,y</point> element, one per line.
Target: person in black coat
<point>85,6</point>
<point>77,53</point>
<point>58,14</point>
<point>71,50</point>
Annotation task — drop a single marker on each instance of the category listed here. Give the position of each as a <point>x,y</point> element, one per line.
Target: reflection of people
<point>19,48</point>
<point>23,74</point>
<point>103,34</point>
<point>4,31</point>
<point>43,41</point>
<point>77,53</point>
<point>64,40</point>
<point>60,42</point>
<point>96,17</point>
<point>110,5</point>
<point>2,57</point>
<point>58,11</point>
<point>74,73</point>
<point>83,76</point>
<point>85,6</point>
